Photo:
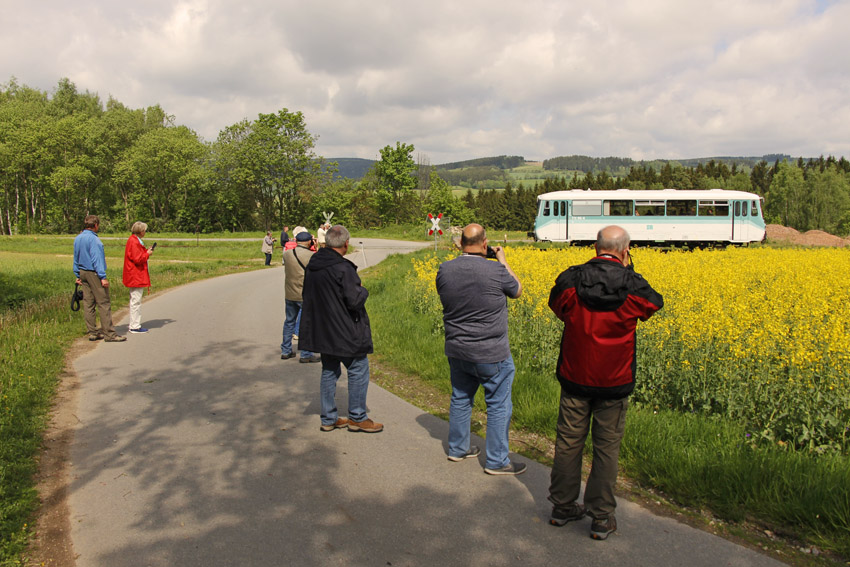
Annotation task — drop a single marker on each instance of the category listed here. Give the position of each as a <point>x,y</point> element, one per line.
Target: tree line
<point>66,155</point>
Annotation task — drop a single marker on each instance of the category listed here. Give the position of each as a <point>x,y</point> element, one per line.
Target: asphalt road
<point>198,446</point>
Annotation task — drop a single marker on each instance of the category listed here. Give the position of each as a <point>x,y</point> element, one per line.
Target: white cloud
<point>643,79</point>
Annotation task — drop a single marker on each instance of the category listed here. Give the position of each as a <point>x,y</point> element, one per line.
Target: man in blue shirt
<point>90,269</point>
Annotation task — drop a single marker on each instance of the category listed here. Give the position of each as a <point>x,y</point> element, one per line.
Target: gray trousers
<point>95,295</point>
<point>607,428</point>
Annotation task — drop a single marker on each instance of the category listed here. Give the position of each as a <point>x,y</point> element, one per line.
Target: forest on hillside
<point>67,154</point>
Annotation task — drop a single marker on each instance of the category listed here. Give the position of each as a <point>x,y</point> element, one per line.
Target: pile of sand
<point>779,233</point>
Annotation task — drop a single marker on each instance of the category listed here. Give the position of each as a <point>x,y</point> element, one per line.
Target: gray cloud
<point>643,79</point>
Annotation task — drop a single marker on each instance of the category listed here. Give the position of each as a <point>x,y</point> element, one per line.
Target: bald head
<point>473,236</point>
<point>612,240</point>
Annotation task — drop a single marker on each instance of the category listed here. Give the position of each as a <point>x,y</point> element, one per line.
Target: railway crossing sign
<point>435,224</point>
<point>435,227</point>
<point>328,216</point>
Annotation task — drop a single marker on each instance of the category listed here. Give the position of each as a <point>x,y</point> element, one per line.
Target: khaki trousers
<point>95,295</point>
<point>607,428</point>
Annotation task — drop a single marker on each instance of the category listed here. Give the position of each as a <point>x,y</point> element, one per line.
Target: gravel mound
<point>779,233</point>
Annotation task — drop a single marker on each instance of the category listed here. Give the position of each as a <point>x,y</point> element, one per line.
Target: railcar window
<point>587,208</point>
<point>681,208</point>
<point>563,208</point>
<point>755,209</point>
<point>737,208</point>
<point>714,208</point>
<point>545,208</point>
<point>617,208</point>
<point>649,208</point>
<point>744,208</point>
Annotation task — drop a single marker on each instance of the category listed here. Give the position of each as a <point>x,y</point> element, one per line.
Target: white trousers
<point>136,307</point>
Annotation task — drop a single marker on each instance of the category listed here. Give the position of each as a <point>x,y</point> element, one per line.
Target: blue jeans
<point>293,314</point>
<point>358,384</point>
<point>496,378</point>
<point>298,324</point>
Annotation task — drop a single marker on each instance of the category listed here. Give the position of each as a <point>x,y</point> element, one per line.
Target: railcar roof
<point>646,194</point>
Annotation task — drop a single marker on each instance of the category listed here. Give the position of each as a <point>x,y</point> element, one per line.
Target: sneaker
<point>601,528</point>
<point>474,451</point>
<point>115,339</point>
<point>285,356</point>
<point>561,516</point>
<point>510,468</point>
<point>340,423</point>
<point>314,358</point>
<point>366,426</point>
<point>139,330</point>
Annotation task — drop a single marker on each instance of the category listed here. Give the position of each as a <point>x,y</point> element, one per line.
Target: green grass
<point>36,329</point>
<point>697,460</point>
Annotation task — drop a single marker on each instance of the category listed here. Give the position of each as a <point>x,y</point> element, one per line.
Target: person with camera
<point>268,247</point>
<point>320,234</point>
<point>474,294</point>
<point>600,303</point>
<point>90,269</point>
<point>135,275</point>
<point>295,261</point>
<point>335,324</point>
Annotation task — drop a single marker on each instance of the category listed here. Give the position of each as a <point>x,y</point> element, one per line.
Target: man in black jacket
<point>334,323</point>
<point>600,303</point>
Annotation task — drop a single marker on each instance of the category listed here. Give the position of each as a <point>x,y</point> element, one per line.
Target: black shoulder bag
<point>76,297</point>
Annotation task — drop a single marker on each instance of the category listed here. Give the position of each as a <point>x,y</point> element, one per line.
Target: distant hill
<point>589,164</point>
<point>501,162</point>
<point>351,168</point>
<point>729,160</point>
<point>356,168</point>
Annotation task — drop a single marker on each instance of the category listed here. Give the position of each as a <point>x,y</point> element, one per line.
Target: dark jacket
<point>600,303</point>
<point>333,318</point>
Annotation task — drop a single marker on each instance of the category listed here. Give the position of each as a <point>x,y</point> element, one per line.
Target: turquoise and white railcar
<point>659,217</point>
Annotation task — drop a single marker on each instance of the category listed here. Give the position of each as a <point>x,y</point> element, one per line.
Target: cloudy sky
<point>463,79</point>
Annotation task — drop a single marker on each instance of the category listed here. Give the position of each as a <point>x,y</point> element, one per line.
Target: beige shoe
<point>366,426</point>
<point>115,339</point>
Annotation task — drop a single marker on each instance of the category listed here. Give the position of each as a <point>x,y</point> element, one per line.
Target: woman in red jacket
<point>136,275</point>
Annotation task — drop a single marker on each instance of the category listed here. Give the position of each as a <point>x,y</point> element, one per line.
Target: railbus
<point>652,217</point>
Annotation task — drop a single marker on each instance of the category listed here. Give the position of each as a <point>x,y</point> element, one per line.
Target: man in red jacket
<point>135,274</point>
<point>600,303</point>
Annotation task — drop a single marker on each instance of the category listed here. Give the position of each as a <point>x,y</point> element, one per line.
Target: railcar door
<point>740,221</point>
<point>563,220</point>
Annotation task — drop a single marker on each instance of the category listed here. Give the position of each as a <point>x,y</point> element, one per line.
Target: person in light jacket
<point>135,275</point>
<point>268,247</point>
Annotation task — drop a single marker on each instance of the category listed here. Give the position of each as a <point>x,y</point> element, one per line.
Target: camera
<point>491,253</point>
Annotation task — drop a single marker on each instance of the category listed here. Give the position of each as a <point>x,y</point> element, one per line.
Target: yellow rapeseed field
<point>761,335</point>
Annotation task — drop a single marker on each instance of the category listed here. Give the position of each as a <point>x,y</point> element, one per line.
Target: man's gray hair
<point>613,239</point>
<point>337,236</point>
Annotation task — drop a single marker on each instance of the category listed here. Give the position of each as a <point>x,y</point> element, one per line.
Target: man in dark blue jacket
<point>600,303</point>
<point>334,323</point>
